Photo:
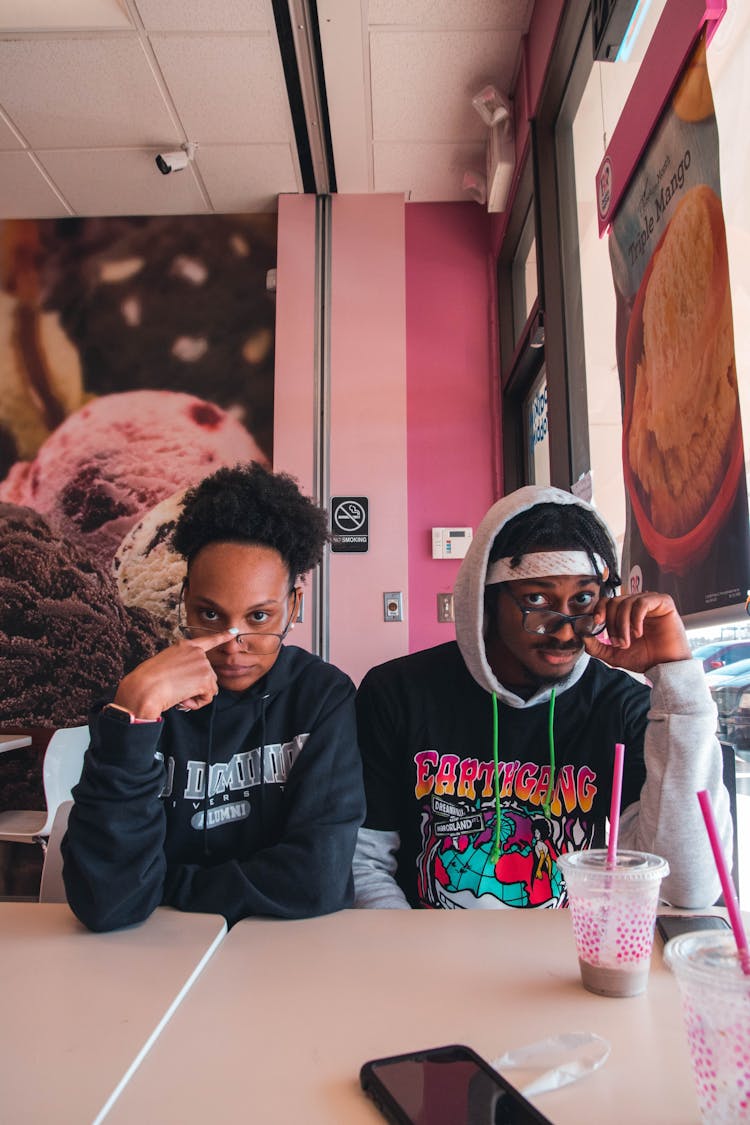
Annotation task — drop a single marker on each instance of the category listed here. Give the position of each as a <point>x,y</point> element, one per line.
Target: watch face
<point>119,714</point>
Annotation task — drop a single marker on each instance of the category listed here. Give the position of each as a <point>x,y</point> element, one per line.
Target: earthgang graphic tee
<point>436,723</point>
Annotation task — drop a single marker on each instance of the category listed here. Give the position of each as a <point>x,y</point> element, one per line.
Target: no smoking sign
<point>349,523</point>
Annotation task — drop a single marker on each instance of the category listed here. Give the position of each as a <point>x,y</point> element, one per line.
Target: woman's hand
<point>180,674</point>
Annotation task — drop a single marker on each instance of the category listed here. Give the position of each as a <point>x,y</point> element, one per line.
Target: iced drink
<point>716,1012</point>
<point>614,911</point>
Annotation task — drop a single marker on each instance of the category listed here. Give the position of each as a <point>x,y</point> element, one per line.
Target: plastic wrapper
<point>552,1063</point>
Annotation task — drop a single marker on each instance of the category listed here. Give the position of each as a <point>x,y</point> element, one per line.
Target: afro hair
<point>249,504</point>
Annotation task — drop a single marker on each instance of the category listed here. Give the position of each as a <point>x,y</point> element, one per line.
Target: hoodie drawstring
<point>209,759</point>
<point>546,803</point>
<point>263,699</point>
<point>551,729</point>
<point>495,853</point>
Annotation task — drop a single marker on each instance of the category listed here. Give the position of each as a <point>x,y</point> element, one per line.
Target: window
<point>537,432</point>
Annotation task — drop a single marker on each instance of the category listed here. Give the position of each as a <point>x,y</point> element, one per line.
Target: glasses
<point>257,643</point>
<point>546,621</point>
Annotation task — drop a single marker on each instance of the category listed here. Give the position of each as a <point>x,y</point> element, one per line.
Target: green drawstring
<point>548,799</point>
<point>495,853</point>
<point>547,802</point>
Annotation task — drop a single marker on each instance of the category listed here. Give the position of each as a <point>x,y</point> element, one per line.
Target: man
<point>486,759</point>
<point>224,776</point>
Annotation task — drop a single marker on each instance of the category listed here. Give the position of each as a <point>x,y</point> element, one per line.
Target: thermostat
<point>451,542</point>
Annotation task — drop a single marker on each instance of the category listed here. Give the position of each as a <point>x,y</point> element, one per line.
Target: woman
<point>224,775</point>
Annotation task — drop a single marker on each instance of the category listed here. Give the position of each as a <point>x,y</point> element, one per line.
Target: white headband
<point>543,564</point>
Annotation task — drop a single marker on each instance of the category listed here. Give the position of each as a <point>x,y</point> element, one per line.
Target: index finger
<point>213,640</point>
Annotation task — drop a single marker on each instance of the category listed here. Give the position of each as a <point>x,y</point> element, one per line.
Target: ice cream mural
<point>683,456</point>
<point>136,357</point>
<point>117,456</point>
<point>149,574</point>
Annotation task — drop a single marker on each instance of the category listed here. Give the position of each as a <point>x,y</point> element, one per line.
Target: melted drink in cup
<point>613,910</point>
<point>716,1013</point>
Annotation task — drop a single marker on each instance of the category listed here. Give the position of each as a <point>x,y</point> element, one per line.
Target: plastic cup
<point>716,1012</point>
<point>614,912</point>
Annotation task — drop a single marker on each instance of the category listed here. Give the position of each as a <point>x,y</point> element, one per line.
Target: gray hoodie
<point>680,751</point>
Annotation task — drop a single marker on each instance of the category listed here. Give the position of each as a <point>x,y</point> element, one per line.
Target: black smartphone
<point>445,1086</point>
<point>672,925</point>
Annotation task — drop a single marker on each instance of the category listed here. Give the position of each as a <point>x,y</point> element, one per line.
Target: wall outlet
<point>445,608</point>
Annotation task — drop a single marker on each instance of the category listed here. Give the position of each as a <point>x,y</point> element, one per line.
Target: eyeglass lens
<point>248,642</point>
<point>261,642</point>
<point>550,621</point>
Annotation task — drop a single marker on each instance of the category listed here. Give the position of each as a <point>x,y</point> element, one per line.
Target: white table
<point>79,1010</point>
<point>13,742</point>
<point>281,1020</point>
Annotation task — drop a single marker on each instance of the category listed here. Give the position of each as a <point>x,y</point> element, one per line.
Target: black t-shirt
<point>425,730</point>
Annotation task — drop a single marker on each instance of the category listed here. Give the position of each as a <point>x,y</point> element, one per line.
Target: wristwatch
<point>122,715</point>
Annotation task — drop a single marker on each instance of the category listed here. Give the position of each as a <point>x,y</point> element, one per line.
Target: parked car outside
<point>738,722</point>
<point>720,653</point>
<point>727,685</point>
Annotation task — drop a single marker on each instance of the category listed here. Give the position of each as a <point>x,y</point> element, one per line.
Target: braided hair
<point>557,527</point>
<point>249,504</point>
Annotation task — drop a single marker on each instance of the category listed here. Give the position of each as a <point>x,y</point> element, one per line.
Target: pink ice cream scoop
<point>121,454</point>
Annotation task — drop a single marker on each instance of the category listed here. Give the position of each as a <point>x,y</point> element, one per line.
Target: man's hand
<point>642,630</point>
<point>179,674</point>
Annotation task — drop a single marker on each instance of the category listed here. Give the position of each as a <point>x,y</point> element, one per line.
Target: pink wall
<point>412,402</point>
<point>450,375</point>
<point>368,423</point>
<point>295,343</point>
<point>368,404</point>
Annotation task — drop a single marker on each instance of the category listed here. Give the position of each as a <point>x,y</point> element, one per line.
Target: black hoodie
<point>138,834</point>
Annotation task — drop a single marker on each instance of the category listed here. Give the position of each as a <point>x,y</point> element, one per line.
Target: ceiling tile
<point>121,182</point>
<point>24,192</point>
<point>505,14</point>
<point>226,88</point>
<point>82,92</point>
<point>8,138</point>
<point>72,15</point>
<point>423,82</point>
<point>206,15</point>
<point>426,172</point>
<point>247,178</point>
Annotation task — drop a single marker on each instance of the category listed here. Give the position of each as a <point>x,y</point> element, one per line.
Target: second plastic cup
<point>716,1013</point>
<point>614,911</point>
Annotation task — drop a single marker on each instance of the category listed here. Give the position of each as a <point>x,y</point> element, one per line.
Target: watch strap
<point>123,715</point>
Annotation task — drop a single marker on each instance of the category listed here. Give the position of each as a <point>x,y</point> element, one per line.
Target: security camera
<point>168,162</point>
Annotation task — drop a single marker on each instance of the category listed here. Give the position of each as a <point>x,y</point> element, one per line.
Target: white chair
<point>63,762</point>
<point>52,888</point>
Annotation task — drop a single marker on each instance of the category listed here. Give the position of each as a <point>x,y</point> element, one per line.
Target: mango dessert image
<point>682,444</point>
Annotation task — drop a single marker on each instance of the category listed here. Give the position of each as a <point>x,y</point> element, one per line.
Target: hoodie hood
<point>468,595</point>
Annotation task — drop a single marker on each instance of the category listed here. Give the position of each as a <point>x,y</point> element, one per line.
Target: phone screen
<point>673,925</point>
<point>447,1086</point>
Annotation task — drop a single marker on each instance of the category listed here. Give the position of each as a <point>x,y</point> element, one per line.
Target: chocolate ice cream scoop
<point>65,636</point>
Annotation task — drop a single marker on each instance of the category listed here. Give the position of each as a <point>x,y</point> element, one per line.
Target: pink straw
<point>614,808</point>
<point>727,887</point>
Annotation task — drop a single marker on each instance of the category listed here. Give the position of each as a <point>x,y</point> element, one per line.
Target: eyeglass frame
<point>565,618</point>
<point>295,592</point>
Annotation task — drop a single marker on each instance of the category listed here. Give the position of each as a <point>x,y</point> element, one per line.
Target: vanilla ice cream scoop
<point>148,572</point>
